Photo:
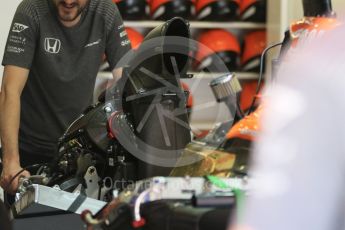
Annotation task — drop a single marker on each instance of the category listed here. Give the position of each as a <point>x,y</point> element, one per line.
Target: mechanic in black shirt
<point>52,56</point>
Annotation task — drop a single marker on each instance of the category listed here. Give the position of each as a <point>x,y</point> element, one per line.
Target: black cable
<point>239,110</point>
<point>14,177</point>
<point>251,108</point>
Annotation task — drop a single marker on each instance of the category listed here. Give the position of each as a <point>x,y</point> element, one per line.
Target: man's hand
<point>8,172</point>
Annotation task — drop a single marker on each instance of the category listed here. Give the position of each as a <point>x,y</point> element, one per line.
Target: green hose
<point>239,195</point>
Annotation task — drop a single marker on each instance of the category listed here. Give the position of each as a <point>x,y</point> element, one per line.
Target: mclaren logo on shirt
<point>52,45</point>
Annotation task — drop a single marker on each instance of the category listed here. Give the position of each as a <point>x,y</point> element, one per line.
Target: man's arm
<point>117,74</point>
<point>14,79</point>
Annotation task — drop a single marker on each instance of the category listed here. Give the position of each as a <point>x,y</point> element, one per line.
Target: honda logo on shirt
<point>52,45</point>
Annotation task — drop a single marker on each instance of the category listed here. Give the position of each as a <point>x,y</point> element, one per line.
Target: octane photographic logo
<point>150,119</point>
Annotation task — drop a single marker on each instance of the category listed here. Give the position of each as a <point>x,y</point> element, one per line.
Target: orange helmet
<point>248,93</point>
<point>167,9</point>
<point>217,10</point>
<point>253,10</point>
<point>217,42</point>
<point>135,37</point>
<point>131,9</point>
<point>253,46</point>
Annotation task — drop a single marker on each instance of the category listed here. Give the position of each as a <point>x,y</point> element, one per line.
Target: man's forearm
<point>117,74</point>
<point>9,126</point>
<point>13,84</point>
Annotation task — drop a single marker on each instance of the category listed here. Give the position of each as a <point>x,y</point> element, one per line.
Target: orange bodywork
<point>311,27</point>
<point>247,128</point>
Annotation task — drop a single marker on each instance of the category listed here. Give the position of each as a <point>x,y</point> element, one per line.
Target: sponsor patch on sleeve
<point>18,27</point>
<point>125,42</point>
<point>17,39</point>
<point>123,33</point>
<point>14,49</point>
<point>121,27</point>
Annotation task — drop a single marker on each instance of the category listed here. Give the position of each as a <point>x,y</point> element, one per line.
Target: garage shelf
<point>210,76</point>
<point>200,25</point>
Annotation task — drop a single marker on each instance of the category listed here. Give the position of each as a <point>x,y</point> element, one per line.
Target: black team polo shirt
<point>63,65</point>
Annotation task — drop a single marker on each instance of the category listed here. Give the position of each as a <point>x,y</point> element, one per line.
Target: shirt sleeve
<point>117,44</point>
<point>22,37</point>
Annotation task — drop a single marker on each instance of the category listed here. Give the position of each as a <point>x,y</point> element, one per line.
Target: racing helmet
<point>217,10</point>
<point>253,45</point>
<point>131,9</point>
<point>248,93</point>
<point>167,9</point>
<point>253,10</point>
<point>215,46</point>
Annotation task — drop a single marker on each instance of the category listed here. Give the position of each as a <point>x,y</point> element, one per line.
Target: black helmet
<point>131,9</point>
<point>167,9</point>
<point>253,10</point>
<point>217,10</point>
